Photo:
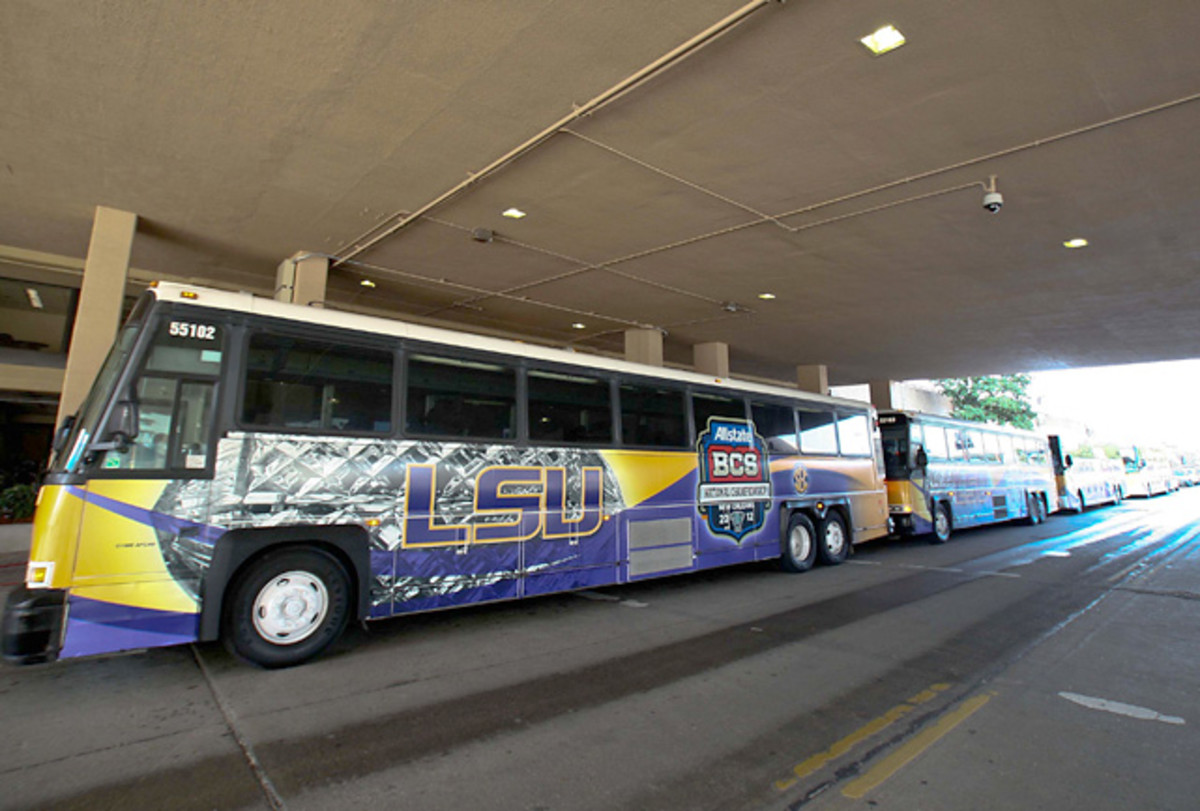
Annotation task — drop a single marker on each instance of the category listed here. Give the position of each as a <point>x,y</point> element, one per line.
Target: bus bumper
<point>33,622</point>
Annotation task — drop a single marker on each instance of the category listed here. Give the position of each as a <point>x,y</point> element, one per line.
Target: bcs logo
<point>735,487</point>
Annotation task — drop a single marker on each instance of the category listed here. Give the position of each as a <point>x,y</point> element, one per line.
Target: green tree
<point>1001,399</point>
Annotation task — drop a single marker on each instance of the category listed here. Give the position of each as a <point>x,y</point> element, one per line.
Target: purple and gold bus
<point>263,473</point>
<point>945,474</point>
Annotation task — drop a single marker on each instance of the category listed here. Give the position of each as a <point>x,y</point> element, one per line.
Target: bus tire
<point>799,544</point>
<point>942,525</point>
<point>833,542</point>
<point>287,607</point>
<point>1034,506</point>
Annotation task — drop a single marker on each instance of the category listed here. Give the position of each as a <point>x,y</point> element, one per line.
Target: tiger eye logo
<point>800,479</point>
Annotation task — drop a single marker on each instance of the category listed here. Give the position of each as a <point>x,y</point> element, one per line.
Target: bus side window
<point>973,445</point>
<point>653,417</point>
<point>935,443</point>
<point>453,397</point>
<point>569,408</point>
<point>957,444</point>
<point>295,383</point>
<point>991,448</point>
<point>776,424</point>
<point>818,435</point>
<point>854,434</point>
<point>706,406</point>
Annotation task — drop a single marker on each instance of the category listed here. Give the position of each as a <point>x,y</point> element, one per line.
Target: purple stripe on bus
<point>160,521</point>
<point>94,626</point>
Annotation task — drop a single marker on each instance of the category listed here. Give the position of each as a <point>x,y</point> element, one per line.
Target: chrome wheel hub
<point>835,538</point>
<point>800,542</point>
<point>290,607</point>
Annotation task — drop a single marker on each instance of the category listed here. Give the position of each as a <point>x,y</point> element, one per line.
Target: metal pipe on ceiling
<point>373,236</point>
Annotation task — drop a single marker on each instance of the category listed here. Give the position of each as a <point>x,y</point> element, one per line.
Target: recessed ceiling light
<point>579,325</point>
<point>1077,242</point>
<point>513,213</point>
<point>885,39</point>
<point>367,283</point>
<point>767,296</point>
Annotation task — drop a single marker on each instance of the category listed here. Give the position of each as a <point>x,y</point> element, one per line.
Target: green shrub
<point>18,501</point>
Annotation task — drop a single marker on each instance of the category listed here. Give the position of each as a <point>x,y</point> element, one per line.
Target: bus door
<point>143,537</point>
<point>868,501</point>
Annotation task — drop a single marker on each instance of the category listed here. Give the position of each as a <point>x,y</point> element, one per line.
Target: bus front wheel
<point>799,544</point>
<point>941,524</point>
<point>833,544</point>
<point>287,607</point>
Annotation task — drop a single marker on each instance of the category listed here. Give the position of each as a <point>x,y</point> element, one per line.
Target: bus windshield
<point>895,450</point>
<point>67,455</point>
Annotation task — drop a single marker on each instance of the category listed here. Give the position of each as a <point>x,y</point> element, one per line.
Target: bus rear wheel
<point>942,525</point>
<point>799,544</point>
<point>1036,510</point>
<point>833,542</point>
<point>287,607</point>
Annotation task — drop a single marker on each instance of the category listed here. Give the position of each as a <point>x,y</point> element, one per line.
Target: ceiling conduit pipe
<point>381,232</point>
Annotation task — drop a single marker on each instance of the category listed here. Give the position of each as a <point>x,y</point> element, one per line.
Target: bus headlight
<point>38,575</point>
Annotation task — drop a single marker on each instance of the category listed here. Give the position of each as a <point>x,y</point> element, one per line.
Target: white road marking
<point>1119,708</point>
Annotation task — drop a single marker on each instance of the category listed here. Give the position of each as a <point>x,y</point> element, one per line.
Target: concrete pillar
<point>814,378</point>
<point>882,394</point>
<point>301,279</point>
<point>711,359</point>
<point>100,299</point>
<point>644,346</point>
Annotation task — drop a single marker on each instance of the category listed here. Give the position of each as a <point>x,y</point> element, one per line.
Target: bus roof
<point>257,305</point>
<point>897,415</point>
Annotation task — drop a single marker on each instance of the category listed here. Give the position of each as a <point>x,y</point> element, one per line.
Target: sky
<point>1150,404</point>
<point>1153,404</point>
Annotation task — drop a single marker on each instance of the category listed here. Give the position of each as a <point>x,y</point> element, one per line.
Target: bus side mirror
<point>64,431</point>
<point>1068,461</point>
<point>121,428</point>
<point>921,458</point>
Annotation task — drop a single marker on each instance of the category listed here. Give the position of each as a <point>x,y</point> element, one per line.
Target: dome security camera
<point>992,201</point>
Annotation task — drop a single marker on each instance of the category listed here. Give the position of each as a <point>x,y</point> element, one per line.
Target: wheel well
<point>815,512</point>
<point>237,549</point>
<point>944,504</point>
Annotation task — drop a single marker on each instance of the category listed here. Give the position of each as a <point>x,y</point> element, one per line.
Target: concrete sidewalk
<point>15,538</point>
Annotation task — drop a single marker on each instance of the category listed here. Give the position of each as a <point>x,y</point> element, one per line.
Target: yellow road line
<point>894,762</point>
<point>847,743</point>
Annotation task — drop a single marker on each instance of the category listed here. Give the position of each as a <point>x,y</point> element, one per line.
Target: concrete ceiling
<point>774,155</point>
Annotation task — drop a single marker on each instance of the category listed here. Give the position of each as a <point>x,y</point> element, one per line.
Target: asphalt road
<point>1015,667</point>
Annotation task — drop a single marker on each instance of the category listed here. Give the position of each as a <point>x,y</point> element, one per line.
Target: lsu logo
<point>735,486</point>
<point>511,504</point>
